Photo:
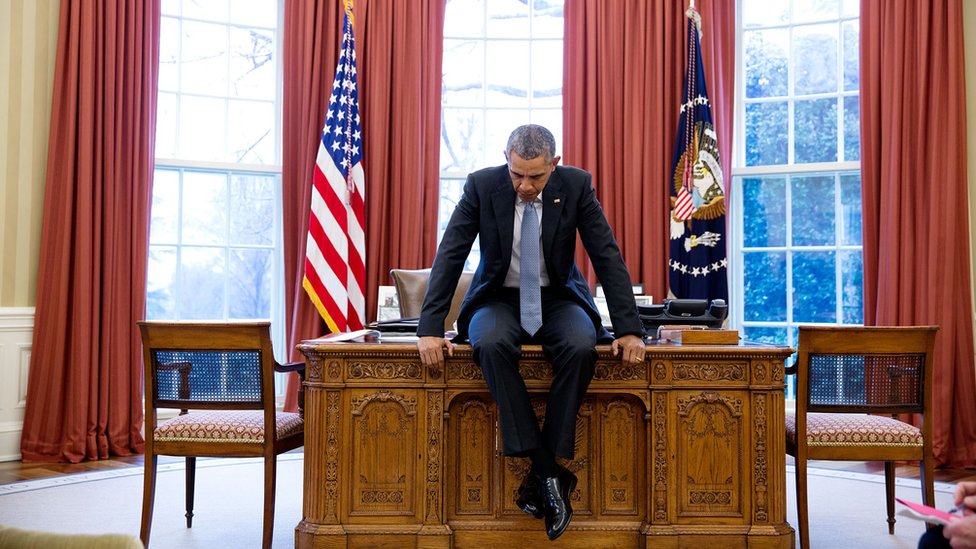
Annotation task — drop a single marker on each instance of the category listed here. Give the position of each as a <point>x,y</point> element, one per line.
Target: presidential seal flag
<point>698,264</point>
<point>335,267</point>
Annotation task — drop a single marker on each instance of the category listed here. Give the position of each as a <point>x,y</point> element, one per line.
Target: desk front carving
<point>686,449</point>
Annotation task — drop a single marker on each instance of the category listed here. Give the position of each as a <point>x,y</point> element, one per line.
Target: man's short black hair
<point>531,141</point>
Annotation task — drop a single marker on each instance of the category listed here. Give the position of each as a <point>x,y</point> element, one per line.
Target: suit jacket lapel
<point>552,207</point>
<point>503,202</point>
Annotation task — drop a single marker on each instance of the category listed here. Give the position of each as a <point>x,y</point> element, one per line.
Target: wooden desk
<point>685,450</point>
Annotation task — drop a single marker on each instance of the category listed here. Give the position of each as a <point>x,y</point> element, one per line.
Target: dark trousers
<point>568,338</point>
<point>933,539</point>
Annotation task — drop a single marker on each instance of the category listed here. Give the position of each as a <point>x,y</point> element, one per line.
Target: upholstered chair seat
<point>855,430</point>
<point>230,426</point>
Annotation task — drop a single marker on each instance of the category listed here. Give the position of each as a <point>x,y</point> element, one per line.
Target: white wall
<point>16,332</point>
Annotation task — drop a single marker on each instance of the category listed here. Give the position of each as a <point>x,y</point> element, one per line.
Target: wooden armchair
<point>844,376</point>
<point>411,285</point>
<point>221,378</point>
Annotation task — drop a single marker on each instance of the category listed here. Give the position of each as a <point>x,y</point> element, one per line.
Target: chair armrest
<point>790,370</point>
<point>299,368</point>
<point>291,367</point>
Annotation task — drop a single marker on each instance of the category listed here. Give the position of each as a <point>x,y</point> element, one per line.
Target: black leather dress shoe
<point>528,499</point>
<point>555,495</point>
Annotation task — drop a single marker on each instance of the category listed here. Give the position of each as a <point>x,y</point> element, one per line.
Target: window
<point>796,231</point>
<point>502,68</point>
<point>215,244</point>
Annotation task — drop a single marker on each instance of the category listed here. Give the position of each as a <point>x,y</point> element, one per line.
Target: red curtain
<point>914,188</point>
<point>622,77</point>
<point>84,391</point>
<point>399,47</point>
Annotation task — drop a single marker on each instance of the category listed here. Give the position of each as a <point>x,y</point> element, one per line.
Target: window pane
<point>850,203</point>
<point>249,288</point>
<point>165,207</point>
<point>852,129</point>
<point>203,67</point>
<point>202,269</point>
<point>767,133</point>
<point>508,74</point>
<point>169,54</point>
<point>852,55</point>
<point>815,131</point>
<point>766,63</point>
<point>252,207</point>
<point>252,64</point>
<point>463,72</point>
<point>814,287</point>
<point>202,128</point>
<point>161,279</point>
<point>508,18</point>
<point>761,14</point>
<point>772,336</point>
<point>213,10</point>
<point>254,13</point>
<point>547,19</point>
<point>166,125</point>
<point>547,73</point>
<point>764,211</point>
<point>813,211</point>
<point>250,132</point>
<point>815,51</point>
<point>204,208</point>
<point>170,7</point>
<point>852,287</point>
<point>500,124</point>
<point>764,283</point>
<point>852,8</point>
<point>462,140</point>
<point>805,11</point>
<point>464,18</point>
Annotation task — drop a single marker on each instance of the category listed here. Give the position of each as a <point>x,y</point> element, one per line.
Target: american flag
<point>335,267</point>
<point>699,265</point>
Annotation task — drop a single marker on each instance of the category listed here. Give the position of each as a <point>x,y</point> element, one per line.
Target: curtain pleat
<point>622,76</point>
<point>915,197</point>
<point>84,391</point>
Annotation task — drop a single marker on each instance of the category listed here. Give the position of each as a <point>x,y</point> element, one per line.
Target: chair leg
<point>926,469</point>
<point>801,501</point>
<point>191,477</point>
<point>148,494</point>
<point>889,468</point>
<point>270,463</point>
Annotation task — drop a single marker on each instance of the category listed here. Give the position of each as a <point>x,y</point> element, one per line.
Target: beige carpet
<point>846,509</point>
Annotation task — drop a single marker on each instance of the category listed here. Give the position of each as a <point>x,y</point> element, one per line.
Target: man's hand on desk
<point>629,348</point>
<point>432,350</point>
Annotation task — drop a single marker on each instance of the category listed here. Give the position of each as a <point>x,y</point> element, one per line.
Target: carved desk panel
<point>685,450</point>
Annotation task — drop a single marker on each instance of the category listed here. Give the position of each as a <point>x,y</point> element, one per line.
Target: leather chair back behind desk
<point>411,285</point>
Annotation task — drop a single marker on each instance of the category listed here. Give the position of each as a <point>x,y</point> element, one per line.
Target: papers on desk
<point>360,336</point>
<point>919,511</point>
<point>367,336</point>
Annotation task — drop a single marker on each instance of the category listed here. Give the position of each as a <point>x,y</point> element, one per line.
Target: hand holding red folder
<point>928,514</point>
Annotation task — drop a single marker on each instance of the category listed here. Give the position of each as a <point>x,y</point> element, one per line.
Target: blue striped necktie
<point>530,291</point>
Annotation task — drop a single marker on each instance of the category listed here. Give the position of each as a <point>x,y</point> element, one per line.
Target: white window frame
<point>786,171</point>
<point>277,315</point>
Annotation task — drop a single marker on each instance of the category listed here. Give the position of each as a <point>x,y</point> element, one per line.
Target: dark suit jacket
<point>487,208</point>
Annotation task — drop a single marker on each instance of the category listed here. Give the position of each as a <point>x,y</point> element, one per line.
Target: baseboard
<point>16,334</point>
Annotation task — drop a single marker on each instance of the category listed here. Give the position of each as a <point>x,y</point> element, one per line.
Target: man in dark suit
<point>528,289</point>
